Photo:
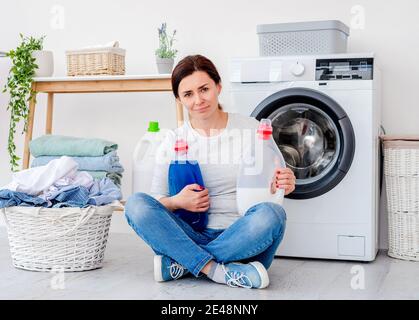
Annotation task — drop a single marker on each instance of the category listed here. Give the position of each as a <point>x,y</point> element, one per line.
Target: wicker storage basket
<point>401,171</point>
<point>69,239</point>
<point>97,61</point>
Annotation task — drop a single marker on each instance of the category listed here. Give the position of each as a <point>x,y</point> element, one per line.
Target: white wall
<point>217,29</point>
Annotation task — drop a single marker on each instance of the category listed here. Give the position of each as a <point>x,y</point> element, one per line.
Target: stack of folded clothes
<point>58,184</point>
<point>96,156</point>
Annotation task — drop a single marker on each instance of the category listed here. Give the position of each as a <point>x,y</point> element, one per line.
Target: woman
<point>234,250</point>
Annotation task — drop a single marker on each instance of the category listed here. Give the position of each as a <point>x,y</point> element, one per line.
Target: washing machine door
<point>314,135</point>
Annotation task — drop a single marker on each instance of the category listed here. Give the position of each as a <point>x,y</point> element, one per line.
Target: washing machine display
<point>344,69</point>
<point>315,136</point>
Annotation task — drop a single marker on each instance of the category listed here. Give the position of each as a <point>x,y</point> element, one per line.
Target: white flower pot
<point>164,65</point>
<point>45,61</point>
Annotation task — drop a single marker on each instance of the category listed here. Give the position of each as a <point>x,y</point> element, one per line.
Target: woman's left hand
<point>283,178</point>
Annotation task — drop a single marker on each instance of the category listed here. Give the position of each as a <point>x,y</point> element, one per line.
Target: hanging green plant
<point>19,86</point>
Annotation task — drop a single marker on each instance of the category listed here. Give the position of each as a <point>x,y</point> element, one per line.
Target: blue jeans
<point>253,237</point>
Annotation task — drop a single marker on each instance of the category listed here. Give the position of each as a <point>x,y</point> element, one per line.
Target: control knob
<point>297,69</point>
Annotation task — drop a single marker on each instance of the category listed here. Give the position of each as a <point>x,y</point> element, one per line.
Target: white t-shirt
<point>218,157</point>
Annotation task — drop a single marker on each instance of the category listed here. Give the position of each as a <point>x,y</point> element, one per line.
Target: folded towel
<point>108,162</point>
<point>57,145</point>
<point>115,177</point>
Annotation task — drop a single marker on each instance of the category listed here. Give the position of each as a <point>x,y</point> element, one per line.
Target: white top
<point>218,157</point>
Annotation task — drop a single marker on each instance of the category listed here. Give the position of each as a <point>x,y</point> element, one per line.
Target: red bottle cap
<point>265,129</point>
<point>181,145</point>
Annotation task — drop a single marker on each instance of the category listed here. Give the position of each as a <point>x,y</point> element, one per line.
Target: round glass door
<point>314,135</point>
<point>308,139</point>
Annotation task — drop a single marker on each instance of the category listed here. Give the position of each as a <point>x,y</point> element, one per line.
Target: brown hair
<point>189,65</point>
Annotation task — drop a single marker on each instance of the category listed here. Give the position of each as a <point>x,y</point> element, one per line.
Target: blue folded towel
<point>108,162</point>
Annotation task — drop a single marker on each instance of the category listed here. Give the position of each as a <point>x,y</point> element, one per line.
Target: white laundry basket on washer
<point>302,38</point>
<point>401,171</point>
<point>67,239</point>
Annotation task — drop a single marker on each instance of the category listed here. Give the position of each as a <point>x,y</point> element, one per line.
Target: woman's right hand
<point>194,201</point>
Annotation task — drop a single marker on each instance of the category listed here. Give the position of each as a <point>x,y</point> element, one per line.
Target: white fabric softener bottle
<point>257,170</point>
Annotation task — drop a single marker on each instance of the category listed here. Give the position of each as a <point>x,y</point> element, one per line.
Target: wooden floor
<point>128,274</point>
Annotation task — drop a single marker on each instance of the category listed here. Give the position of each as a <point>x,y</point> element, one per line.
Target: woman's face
<point>199,94</point>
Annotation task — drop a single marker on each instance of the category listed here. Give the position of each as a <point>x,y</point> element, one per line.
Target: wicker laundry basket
<point>98,61</point>
<point>68,239</point>
<point>401,171</point>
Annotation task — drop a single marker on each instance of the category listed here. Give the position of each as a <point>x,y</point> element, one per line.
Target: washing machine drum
<point>314,135</point>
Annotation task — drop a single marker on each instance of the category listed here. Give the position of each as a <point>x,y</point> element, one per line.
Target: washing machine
<point>325,112</point>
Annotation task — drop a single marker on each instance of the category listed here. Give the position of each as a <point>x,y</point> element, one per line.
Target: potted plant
<point>165,53</point>
<point>19,86</point>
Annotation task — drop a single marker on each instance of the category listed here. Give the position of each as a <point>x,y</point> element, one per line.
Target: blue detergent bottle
<point>182,172</point>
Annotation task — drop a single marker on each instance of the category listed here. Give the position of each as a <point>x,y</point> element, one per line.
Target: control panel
<point>344,69</point>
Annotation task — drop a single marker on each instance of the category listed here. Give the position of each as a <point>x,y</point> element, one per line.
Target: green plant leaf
<point>19,86</point>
